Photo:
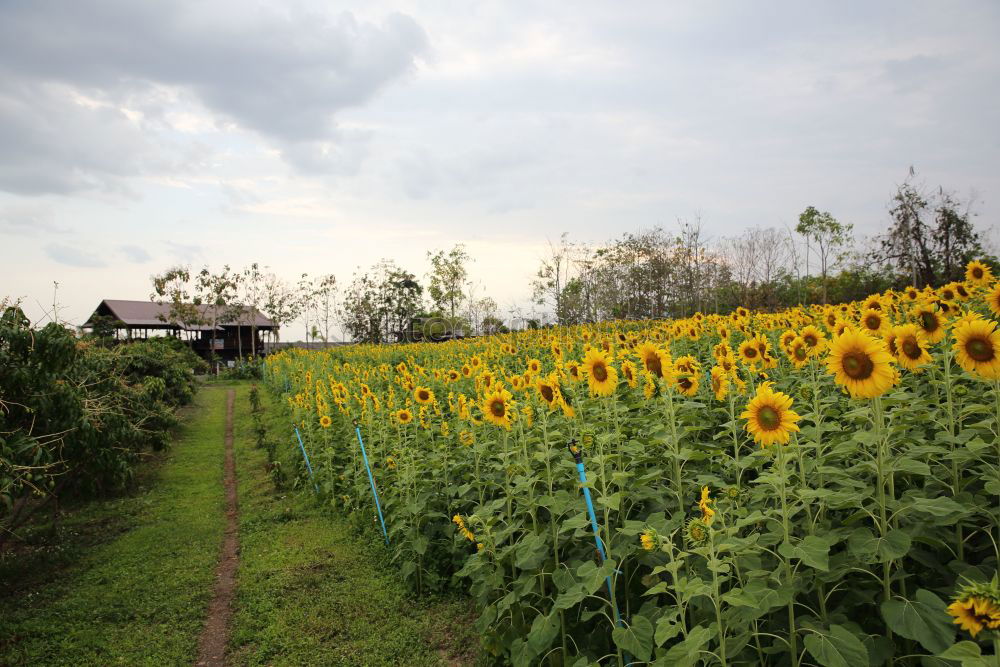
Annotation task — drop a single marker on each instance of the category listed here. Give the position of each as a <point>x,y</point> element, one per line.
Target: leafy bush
<point>75,415</point>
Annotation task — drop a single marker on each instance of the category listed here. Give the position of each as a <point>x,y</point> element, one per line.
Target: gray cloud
<point>29,220</point>
<point>282,73</point>
<point>72,256</point>
<point>135,254</point>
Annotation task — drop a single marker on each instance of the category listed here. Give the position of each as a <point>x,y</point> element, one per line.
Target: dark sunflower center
<point>547,393</point>
<point>422,395</point>
<point>653,365</point>
<point>800,353</point>
<point>600,372</point>
<point>498,408</point>
<point>810,340</point>
<point>977,273</point>
<point>980,350</point>
<point>891,343</point>
<point>873,322</point>
<point>716,384</point>
<point>684,384</point>
<point>857,365</point>
<point>769,418</point>
<point>928,321</point>
<point>750,353</point>
<point>911,349</point>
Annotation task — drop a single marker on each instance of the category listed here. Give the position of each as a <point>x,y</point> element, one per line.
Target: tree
<point>956,242</point>
<point>930,239</point>
<point>380,303</point>
<point>251,298</point>
<point>325,295</point>
<point>828,236</point>
<point>216,291</point>
<point>173,287</point>
<point>281,302</point>
<point>552,275</point>
<point>447,279</point>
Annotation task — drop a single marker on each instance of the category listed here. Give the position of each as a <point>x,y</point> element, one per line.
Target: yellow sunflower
<point>496,408</point>
<point>813,338</point>
<point>798,352</point>
<point>873,321</point>
<point>325,421</point>
<point>974,614</point>
<point>993,299</point>
<point>860,363</point>
<point>977,348</point>
<point>704,504</point>
<point>770,419</point>
<point>909,347</point>
<point>720,383</point>
<point>749,354</point>
<point>548,389</point>
<point>629,373</point>
<point>930,320</point>
<point>653,358</point>
<point>978,273</point>
<point>423,395</point>
<point>601,376</point>
<point>404,416</point>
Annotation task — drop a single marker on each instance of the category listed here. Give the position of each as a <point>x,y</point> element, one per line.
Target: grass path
<point>128,580</point>
<point>311,593</point>
<point>125,581</point>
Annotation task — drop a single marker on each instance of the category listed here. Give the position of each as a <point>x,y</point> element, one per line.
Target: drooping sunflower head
<point>629,373</point>
<point>770,419</point>
<point>977,348</point>
<point>649,539</point>
<point>975,614</point>
<point>861,364</point>
<point>720,382</point>
<point>978,273</point>
<point>704,504</point>
<point>601,376</point>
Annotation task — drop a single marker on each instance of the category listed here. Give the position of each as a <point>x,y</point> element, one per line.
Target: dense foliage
<point>74,414</point>
<point>806,487</point>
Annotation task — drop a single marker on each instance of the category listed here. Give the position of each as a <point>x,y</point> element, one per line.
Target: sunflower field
<point>819,486</point>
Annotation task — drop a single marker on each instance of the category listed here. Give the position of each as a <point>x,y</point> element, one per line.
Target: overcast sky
<point>318,136</point>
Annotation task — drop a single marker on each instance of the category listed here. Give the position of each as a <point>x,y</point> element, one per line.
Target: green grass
<point>124,581</point>
<point>311,593</point>
<point>127,580</point>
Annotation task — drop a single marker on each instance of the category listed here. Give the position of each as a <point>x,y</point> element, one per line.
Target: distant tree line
<point>655,273</point>
<point>659,273</point>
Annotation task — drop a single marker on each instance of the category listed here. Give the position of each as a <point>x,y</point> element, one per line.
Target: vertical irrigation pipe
<point>371,480</point>
<point>306,457</point>
<point>578,457</point>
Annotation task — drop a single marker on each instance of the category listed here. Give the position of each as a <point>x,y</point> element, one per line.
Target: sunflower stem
<point>792,632</point>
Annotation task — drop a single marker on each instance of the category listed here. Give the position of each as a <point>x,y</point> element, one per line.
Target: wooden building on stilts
<point>227,331</point>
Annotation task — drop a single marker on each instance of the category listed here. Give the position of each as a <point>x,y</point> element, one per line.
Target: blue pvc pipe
<point>306,457</point>
<point>371,480</point>
<point>593,524</point>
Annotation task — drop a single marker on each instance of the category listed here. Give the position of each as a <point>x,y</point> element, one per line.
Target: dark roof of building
<point>157,315</point>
